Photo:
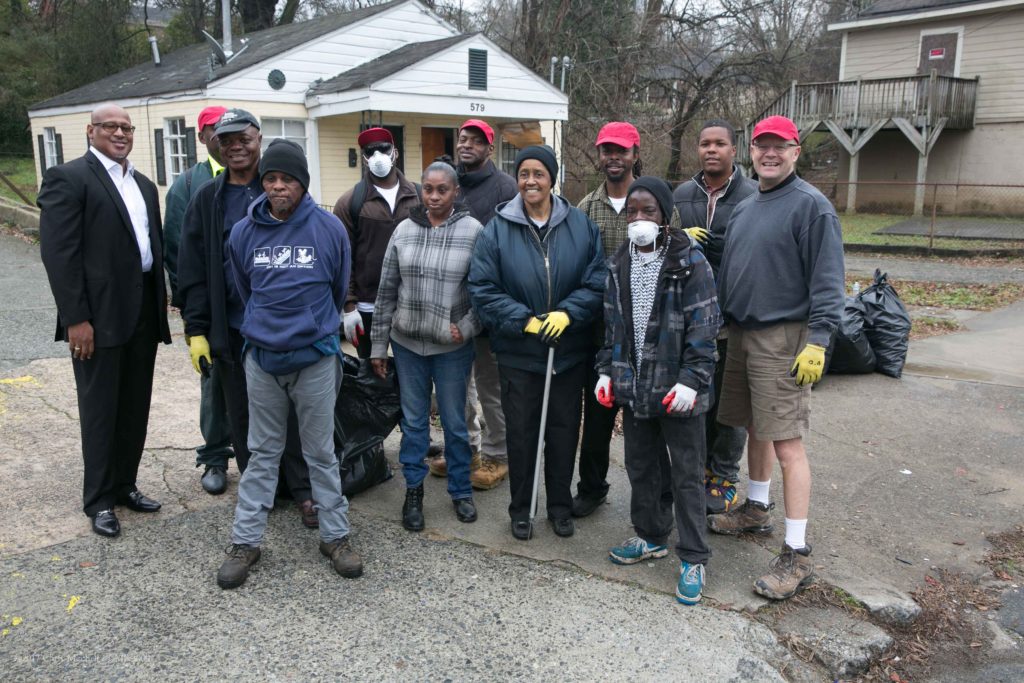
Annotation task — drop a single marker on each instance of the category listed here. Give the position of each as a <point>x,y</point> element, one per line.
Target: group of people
<point>481,288</point>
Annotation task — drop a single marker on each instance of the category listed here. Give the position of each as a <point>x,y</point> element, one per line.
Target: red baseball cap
<point>372,135</point>
<point>210,116</point>
<point>777,125</point>
<point>619,133</point>
<point>482,126</point>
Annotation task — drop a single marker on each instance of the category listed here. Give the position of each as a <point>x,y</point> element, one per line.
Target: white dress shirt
<point>124,181</point>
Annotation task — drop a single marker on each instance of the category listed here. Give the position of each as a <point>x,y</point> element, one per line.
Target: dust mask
<point>643,233</point>
<point>379,164</point>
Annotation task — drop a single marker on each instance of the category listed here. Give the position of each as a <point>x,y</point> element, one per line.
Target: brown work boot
<point>235,569</point>
<point>751,517</point>
<point>345,560</point>
<point>488,475</point>
<point>307,510</point>
<point>789,573</point>
<point>439,466</point>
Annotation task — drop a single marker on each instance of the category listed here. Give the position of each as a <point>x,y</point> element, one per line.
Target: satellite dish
<point>218,51</point>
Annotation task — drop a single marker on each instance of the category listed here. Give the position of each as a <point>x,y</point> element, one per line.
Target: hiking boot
<point>307,510</point>
<point>235,569</point>
<point>412,509</point>
<point>439,466</point>
<point>719,494</point>
<point>488,475</point>
<point>345,560</point>
<point>636,550</point>
<point>789,573</point>
<point>691,583</point>
<point>751,517</point>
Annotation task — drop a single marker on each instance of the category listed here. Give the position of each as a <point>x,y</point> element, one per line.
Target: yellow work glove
<point>533,325</point>
<point>809,365</point>
<point>199,348</point>
<point>699,234</point>
<point>554,325</point>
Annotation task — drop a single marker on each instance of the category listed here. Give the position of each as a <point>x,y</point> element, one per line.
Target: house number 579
<point>476,106</point>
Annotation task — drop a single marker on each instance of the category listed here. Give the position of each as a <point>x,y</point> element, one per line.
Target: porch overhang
<point>486,106</point>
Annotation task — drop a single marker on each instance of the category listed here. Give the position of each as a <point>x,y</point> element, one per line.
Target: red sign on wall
<point>937,53</point>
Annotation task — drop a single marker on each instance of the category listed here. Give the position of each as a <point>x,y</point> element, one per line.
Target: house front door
<point>437,142</point>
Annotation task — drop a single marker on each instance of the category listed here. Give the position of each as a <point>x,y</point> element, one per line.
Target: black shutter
<point>60,149</point>
<point>477,69</point>
<point>161,166</point>
<point>190,147</point>
<point>42,153</point>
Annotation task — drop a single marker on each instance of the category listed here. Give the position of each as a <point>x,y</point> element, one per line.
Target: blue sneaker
<point>636,550</point>
<point>691,582</point>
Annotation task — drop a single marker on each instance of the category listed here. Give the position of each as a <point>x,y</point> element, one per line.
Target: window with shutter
<point>477,69</point>
<point>158,150</point>
<point>190,148</point>
<point>60,149</point>
<point>42,153</point>
<point>175,140</point>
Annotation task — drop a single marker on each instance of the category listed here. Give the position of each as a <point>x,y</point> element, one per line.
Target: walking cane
<point>540,437</point>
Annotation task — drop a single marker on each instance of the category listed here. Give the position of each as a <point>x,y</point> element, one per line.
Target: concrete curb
<point>910,250</point>
<point>24,218</point>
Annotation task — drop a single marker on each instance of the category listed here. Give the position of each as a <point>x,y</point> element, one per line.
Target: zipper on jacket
<point>544,253</point>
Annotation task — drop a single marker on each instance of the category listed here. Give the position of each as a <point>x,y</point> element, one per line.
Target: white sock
<point>758,491</point>
<point>795,532</point>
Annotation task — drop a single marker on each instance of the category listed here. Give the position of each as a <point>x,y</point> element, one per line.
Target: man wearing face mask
<point>370,212</point>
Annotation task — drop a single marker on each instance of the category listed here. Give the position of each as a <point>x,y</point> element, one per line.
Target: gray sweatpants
<point>313,390</point>
<point>484,397</point>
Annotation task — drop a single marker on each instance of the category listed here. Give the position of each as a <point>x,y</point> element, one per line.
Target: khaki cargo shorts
<point>757,391</point>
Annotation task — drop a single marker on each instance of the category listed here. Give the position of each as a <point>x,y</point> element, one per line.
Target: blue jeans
<point>448,373</point>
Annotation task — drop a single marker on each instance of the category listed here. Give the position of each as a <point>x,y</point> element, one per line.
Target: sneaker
<point>751,517</point>
<point>235,569</point>
<point>789,573</point>
<point>488,475</point>
<point>214,480</point>
<point>412,509</point>
<point>439,466</point>
<point>636,550</point>
<point>691,583</point>
<point>719,494</point>
<point>345,560</point>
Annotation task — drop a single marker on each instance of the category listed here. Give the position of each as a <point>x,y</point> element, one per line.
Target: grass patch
<point>1007,557</point>
<point>860,228</point>
<point>973,297</point>
<point>22,172</point>
<point>931,326</point>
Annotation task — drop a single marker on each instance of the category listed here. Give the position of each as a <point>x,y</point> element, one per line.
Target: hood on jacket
<point>515,210</point>
<point>259,212</point>
<point>418,214</point>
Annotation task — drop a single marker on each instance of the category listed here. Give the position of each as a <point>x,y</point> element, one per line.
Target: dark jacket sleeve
<point>61,227</point>
<point>343,212</point>
<point>703,320</point>
<point>192,269</point>
<point>499,312</point>
<point>584,303</point>
<point>603,363</point>
<point>177,201</point>
<point>821,249</point>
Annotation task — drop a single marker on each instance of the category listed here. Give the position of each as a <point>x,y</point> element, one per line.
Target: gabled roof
<point>186,69</point>
<point>366,74</point>
<point>886,7</point>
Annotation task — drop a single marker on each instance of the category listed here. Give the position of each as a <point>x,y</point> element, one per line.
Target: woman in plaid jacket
<point>423,310</point>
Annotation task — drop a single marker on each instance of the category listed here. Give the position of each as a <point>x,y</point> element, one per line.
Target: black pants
<point>522,395</point>
<point>232,381</point>
<point>598,424</point>
<point>724,443</point>
<point>664,458</point>
<point>363,349</point>
<point>114,388</point>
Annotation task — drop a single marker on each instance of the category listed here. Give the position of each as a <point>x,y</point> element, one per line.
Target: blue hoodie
<point>292,275</point>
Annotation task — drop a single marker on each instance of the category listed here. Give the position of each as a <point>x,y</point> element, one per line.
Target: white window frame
<point>176,147</point>
<point>277,128</point>
<point>50,147</point>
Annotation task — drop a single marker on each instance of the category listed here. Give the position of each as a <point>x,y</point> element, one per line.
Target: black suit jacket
<point>90,252</point>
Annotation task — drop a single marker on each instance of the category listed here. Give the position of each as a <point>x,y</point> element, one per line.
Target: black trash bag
<point>367,411</point>
<point>886,324</point>
<point>851,352</point>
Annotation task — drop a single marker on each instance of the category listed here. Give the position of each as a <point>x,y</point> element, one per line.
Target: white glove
<point>680,399</point>
<point>603,391</point>
<point>353,323</point>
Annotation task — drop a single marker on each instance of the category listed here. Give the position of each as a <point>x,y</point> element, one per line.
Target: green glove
<point>198,348</point>
<point>699,234</point>
<point>809,365</point>
<point>554,325</point>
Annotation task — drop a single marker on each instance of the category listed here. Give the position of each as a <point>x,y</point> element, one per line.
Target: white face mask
<point>379,164</point>
<point>643,233</point>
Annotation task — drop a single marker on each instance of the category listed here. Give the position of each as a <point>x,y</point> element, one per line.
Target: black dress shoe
<point>465,511</point>
<point>105,523</point>
<point>585,506</point>
<point>138,502</point>
<point>563,526</point>
<point>214,480</point>
<point>521,529</point>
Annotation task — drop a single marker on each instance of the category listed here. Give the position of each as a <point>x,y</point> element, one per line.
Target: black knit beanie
<point>285,156</point>
<point>541,153</point>
<point>661,190</point>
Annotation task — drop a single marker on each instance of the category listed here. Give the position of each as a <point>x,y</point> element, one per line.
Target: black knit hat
<point>661,190</point>
<point>285,156</point>
<point>541,153</point>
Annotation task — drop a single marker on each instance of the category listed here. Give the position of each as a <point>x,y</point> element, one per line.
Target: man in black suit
<point>101,244</point>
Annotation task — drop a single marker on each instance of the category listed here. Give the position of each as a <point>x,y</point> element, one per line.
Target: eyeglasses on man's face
<point>778,149</point>
<point>112,127</point>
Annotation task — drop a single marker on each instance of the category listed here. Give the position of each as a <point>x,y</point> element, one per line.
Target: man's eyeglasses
<point>111,127</point>
<point>779,149</point>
